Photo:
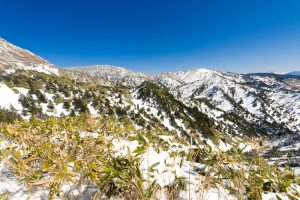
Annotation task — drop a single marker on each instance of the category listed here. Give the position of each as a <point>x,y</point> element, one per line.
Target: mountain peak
<point>13,57</point>
<point>13,53</point>
<point>188,76</point>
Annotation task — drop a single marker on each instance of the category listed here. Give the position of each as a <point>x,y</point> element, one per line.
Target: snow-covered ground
<point>167,167</point>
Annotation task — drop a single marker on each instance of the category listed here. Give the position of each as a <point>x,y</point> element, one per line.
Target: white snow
<point>294,146</point>
<point>9,98</point>
<point>168,168</point>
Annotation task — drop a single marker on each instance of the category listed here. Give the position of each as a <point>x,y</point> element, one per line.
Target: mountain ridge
<point>13,57</point>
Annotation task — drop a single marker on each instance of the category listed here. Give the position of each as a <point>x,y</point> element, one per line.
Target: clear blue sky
<point>158,35</point>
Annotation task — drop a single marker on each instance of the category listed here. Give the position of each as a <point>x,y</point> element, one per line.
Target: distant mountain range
<point>294,73</point>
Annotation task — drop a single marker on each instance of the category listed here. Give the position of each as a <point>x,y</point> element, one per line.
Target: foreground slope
<point>85,157</point>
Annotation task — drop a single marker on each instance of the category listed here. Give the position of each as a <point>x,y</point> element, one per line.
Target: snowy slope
<point>15,57</point>
<point>254,98</point>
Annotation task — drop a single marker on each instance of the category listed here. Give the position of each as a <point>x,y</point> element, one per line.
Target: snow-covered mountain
<point>253,99</point>
<point>264,104</point>
<point>113,74</point>
<point>13,57</point>
<point>217,111</point>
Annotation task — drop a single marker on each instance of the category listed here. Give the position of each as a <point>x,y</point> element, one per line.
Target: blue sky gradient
<point>156,35</point>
